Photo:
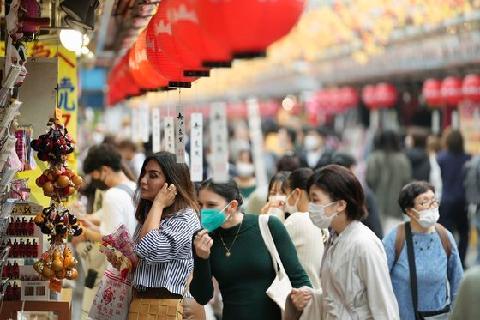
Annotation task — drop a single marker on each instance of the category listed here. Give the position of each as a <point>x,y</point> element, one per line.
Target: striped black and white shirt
<point>165,254</point>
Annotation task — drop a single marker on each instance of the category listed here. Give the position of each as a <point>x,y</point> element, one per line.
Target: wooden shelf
<point>61,308</point>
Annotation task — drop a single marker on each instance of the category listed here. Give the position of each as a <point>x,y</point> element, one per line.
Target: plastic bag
<point>113,297</point>
<point>119,249</point>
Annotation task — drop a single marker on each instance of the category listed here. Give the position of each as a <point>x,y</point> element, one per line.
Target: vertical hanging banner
<point>180,135</point>
<point>169,135</point>
<point>156,130</point>
<point>196,147</point>
<point>136,130</point>
<point>436,121</point>
<point>219,137</point>
<point>255,126</point>
<point>67,94</point>
<point>144,123</point>
<point>455,120</point>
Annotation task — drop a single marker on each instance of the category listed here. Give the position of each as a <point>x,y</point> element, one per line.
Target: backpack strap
<point>126,188</point>
<point>399,241</point>
<point>443,234</point>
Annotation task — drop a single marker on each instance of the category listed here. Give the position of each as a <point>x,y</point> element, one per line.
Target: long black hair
<point>175,173</point>
<point>228,190</point>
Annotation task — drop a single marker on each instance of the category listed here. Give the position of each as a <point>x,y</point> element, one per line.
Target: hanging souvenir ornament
<point>59,183</point>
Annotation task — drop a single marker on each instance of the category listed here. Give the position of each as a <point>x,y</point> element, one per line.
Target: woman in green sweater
<point>237,257</point>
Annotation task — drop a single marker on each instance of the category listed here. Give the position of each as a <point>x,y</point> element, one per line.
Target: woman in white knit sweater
<point>307,238</point>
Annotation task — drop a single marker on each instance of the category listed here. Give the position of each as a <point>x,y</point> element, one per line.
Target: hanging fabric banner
<point>156,130</point>
<point>180,135</point>
<point>136,124</point>
<point>144,123</point>
<point>169,135</point>
<point>196,147</point>
<point>436,121</point>
<point>255,126</point>
<point>219,136</point>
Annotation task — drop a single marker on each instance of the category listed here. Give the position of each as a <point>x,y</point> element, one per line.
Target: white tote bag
<point>281,287</point>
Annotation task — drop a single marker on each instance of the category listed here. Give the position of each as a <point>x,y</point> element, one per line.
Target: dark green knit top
<point>245,276</point>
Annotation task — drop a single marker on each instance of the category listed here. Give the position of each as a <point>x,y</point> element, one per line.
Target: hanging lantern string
<point>179,96</point>
<point>168,103</point>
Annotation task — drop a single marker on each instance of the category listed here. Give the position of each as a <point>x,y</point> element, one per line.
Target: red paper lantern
<point>191,37</point>
<point>269,108</point>
<point>168,66</point>
<point>432,92</point>
<point>451,91</point>
<point>237,110</point>
<point>385,95</point>
<point>248,27</point>
<point>125,83</point>
<point>144,74</point>
<point>190,61</point>
<point>348,97</point>
<point>369,97</point>
<point>322,99</point>
<point>335,101</point>
<point>471,88</point>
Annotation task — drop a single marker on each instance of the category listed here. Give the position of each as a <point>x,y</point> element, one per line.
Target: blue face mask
<point>213,218</point>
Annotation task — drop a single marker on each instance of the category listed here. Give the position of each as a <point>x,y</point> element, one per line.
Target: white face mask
<point>291,208</point>
<point>245,170</point>
<point>428,217</point>
<point>311,143</point>
<point>318,216</point>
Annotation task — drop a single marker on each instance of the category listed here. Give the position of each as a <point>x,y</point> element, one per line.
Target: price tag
<point>180,135</point>
<point>196,147</point>
<point>219,137</point>
<point>156,130</point>
<point>169,135</point>
<point>26,208</point>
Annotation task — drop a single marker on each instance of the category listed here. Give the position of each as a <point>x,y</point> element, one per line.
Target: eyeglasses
<point>427,204</point>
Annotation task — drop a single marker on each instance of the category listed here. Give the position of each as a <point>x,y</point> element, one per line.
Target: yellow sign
<point>67,95</point>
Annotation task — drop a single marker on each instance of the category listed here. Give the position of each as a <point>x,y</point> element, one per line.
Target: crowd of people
<point>325,239</point>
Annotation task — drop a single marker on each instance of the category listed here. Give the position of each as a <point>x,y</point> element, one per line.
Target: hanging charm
<point>228,254</point>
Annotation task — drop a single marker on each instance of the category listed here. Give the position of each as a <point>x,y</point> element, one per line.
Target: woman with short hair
<point>354,274</point>
<point>425,279</point>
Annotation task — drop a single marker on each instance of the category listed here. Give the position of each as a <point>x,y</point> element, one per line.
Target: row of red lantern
<point>187,37</point>
<point>337,100</point>
<point>334,100</point>
<point>452,90</point>
<point>381,95</point>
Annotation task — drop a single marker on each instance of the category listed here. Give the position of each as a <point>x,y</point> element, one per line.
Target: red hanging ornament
<point>451,91</point>
<point>471,88</point>
<point>189,36</point>
<point>248,27</point>
<point>432,92</point>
